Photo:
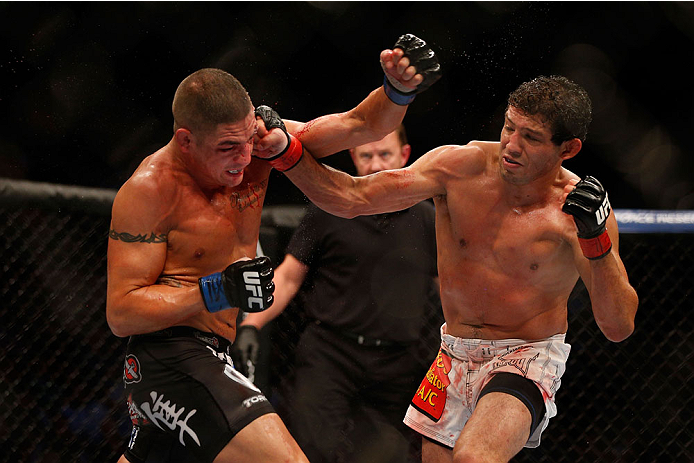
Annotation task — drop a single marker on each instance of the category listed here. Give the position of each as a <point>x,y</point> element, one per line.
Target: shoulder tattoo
<point>139,238</point>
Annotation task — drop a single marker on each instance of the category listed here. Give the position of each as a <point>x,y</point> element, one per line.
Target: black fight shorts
<point>185,399</point>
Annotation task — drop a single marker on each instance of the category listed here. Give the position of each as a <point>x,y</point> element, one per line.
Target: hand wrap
<point>589,206</point>
<point>246,284</point>
<point>423,58</point>
<point>291,155</point>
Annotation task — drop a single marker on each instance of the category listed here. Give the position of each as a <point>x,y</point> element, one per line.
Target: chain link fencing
<point>62,394</point>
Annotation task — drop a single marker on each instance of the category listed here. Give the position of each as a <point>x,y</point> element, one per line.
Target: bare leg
<point>265,440</point>
<point>497,430</point>
<point>435,453</point>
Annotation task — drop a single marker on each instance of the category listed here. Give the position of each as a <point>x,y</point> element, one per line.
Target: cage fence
<point>62,393</point>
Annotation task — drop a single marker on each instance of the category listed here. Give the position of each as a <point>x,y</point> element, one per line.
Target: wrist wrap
<point>597,247</point>
<point>395,95</point>
<point>213,293</point>
<point>290,156</point>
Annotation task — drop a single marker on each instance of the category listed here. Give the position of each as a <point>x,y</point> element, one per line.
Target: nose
<point>244,155</point>
<point>513,145</point>
<point>377,164</point>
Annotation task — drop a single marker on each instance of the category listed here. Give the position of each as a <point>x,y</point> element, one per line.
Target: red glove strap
<point>291,157</point>
<point>596,248</point>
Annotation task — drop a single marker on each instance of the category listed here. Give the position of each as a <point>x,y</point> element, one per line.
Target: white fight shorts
<point>448,394</point>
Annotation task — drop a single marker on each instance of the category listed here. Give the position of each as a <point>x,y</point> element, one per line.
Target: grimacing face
<point>384,154</point>
<point>224,153</point>
<point>527,150</point>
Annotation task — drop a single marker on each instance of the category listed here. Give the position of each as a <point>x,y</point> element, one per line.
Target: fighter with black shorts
<point>189,210</point>
<point>182,388</point>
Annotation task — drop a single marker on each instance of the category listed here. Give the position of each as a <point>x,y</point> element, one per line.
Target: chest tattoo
<point>242,200</point>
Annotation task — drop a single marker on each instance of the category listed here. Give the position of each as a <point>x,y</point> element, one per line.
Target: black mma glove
<point>423,58</point>
<point>291,155</point>
<point>589,206</point>
<point>244,351</point>
<point>246,284</point>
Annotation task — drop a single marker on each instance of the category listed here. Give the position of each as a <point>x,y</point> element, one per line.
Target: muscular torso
<point>207,231</point>
<point>506,271</point>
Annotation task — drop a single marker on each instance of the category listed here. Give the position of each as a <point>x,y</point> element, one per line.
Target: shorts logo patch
<point>164,413</point>
<point>254,400</point>
<point>520,363</point>
<point>430,398</point>
<point>136,416</point>
<point>131,372</point>
<point>211,340</point>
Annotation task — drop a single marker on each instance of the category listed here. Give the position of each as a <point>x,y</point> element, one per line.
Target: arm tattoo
<point>169,281</point>
<point>139,238</point>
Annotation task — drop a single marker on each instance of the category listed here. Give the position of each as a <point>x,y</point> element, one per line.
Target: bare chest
<point>528,245</point>
<point>211,232</point>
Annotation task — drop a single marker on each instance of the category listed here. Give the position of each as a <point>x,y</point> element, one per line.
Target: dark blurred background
<point>85,95</point>
<point>87,87</point>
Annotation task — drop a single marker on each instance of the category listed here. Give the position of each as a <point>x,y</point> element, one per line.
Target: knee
<point>470,456</point>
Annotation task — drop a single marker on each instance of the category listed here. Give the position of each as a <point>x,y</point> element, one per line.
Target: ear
<point>184,139</point>
<point>570,148</point>
<point>405,152</point>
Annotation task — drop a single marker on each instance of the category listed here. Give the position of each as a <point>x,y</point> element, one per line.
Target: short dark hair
<point>559,101</point>
<point>207,98</point>
<point>402,135</point>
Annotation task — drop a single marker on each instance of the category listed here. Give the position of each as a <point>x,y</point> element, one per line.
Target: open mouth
<point>508,160</point>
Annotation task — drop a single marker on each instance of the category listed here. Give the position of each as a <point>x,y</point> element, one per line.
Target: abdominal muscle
<point>482,303</point>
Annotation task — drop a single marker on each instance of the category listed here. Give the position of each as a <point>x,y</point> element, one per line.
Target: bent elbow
<point>117,324</point>
<point>619,334</point>
<point>117,329</point>
<point>621,325</point>
<point>346,213</point>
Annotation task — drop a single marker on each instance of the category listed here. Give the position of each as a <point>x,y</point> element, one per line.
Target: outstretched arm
<point>410,68</point>
<point>341,194</point>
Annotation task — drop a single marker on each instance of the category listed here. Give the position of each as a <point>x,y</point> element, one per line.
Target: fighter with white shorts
<point>466,369</point>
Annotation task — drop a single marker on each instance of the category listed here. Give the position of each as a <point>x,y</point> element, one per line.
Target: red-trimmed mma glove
<point>589,206</point>
<point>291,155</point>
<point>246,284</point>
<point>423,58</point>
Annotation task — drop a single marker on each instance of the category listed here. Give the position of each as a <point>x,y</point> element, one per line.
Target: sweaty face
<point>379,155</point>
<point>225,152</point>
<point>527,151</point>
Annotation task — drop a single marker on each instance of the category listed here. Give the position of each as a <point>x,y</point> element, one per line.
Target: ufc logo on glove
<point>252,280</point>
<point>603,211</point>
<point>246,284</point>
